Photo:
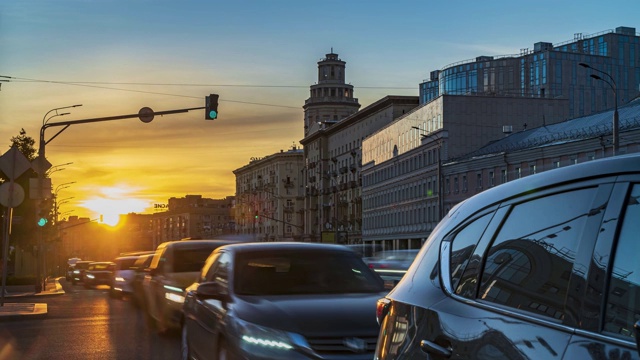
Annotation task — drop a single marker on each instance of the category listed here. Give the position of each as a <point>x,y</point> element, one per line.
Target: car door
<point>210,313</point>
<point>510,289</point>
<point>611,303</point>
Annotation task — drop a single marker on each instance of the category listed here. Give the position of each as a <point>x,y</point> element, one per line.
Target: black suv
<point>538,268</point>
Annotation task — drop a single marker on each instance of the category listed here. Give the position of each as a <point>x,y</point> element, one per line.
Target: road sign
<point>145,114</point>
<point>13,163</point>
<point>40,165</point>
<point>11,194</point>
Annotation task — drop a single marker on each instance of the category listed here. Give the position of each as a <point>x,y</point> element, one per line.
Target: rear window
<point>125,264</point>
<point>190,260</point>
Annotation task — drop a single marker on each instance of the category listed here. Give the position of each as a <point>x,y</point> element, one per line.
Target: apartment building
<point>270,197</point>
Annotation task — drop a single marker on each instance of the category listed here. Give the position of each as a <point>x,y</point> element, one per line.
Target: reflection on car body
<point>282,301</point>
<point>78,271</point>
<point>538,268</point>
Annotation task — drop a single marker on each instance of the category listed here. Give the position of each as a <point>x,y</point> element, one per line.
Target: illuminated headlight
<point>76,271</point>
<point>174,294</point>
<point>90,276</point>
<point>119,279</point>
<point>268,342</point>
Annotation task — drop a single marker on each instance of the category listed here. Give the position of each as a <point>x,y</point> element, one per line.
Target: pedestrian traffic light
<point>211,108</point>
<point>42,221</point>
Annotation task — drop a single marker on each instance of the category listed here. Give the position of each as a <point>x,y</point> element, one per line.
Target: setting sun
<point>113,202</point>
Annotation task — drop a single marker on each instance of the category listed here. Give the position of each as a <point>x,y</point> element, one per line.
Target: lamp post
<point>613,86</point>
<point>40,266</point>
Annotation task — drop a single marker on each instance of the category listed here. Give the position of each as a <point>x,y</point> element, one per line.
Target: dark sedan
<point>99,273</point>
<point>282,301</point>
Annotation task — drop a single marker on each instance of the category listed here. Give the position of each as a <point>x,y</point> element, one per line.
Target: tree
<point>26,144</point>
<point>23,232</point>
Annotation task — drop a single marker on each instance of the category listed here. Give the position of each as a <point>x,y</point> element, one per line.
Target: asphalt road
<point>85,324</point>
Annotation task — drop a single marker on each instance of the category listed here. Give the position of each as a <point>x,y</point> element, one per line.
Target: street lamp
<point>40,264</point>
<point>613,86</point>
<point>62,186</point>
<point>57,168</point>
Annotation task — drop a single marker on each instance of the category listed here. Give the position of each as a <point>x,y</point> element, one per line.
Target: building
<point>270,197</point>
<point>550,71</point>
<point>195,217</point>
<point>412,168</point>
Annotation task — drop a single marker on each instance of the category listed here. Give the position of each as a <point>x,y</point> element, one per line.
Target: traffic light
<point>211,108</point>
<point>256,216</point>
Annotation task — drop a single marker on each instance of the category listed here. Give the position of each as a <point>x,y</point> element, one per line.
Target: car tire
<point>185,353</point>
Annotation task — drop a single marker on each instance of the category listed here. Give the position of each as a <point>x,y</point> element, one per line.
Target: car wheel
<point>185,354</point>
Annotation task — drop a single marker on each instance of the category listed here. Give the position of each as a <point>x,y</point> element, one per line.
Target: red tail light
<point>382,308</point>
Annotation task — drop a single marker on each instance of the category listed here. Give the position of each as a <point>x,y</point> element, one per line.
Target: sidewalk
<point>14,310</point>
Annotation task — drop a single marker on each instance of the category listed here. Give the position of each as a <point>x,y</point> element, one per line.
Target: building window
<point>532,169</point>
<point>518,172</point>
<point>479,181</point>
<point>465,186</point>
<point>491,179</point>
<point>455,185</point>
<point>504,176</point>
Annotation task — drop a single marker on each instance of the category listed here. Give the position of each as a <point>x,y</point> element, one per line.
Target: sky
<point>116,56</point>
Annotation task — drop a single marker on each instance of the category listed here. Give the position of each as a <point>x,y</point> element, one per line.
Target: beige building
<point>193,217</point>
<point>270,197</point>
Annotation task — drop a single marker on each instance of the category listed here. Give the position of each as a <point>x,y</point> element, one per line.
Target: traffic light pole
<point>145,115</point>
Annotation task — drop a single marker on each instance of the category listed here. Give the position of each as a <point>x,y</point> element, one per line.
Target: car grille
<point>332,345</point>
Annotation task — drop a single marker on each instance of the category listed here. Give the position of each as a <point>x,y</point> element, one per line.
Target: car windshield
<point>82,266</point>
<point>304,273</point>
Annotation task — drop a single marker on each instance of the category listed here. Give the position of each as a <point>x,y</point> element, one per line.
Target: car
<point>98,273</point>
<point>391,265</point>
<point>175,265</point>
<point>540,267</point>
<point>124,273</point>
<point>282,300</point>
<point>78,271</point>
<point>71,264</point>
<point>139,268</point>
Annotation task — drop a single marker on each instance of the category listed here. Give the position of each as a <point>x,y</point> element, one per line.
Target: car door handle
<point>432,348</point>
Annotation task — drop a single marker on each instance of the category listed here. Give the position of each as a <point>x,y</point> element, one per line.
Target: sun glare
<point>113,202</point>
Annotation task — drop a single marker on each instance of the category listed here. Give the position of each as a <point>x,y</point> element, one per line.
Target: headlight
<point>90,276</point>
<point>76,271</point>
<point>268,342</point>
<point>174,294</point>
<point>119,279</point>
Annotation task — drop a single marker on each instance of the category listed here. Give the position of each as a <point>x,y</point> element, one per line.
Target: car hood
<point>313,315</point>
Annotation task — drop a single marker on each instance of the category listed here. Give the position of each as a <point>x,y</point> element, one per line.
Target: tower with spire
<point>330,99</point>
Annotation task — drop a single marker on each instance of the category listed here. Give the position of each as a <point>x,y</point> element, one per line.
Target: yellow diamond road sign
<point>13,163</point>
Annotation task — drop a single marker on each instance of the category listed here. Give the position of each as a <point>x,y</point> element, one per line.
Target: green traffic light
<point>213,114</point>
<point>42,222</point>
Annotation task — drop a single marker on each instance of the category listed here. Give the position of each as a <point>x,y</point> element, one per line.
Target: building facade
<point>409,180</point>
<point>193,217</point>
<point>550,71</point>
<point>270,197</point>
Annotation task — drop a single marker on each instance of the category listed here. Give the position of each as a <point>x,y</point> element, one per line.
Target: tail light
<point>382,308</point>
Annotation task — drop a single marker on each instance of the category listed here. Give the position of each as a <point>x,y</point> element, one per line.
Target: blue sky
<point>259,56</point>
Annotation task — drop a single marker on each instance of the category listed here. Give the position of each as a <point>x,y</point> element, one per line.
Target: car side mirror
<point>211,290</point>
<point>636,327</point>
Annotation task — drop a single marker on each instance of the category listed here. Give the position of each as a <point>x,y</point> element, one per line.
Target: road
<point>85,324</point>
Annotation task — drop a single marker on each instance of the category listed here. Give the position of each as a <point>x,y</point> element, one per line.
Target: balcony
<point>289,208</point>
<point>344,170</point>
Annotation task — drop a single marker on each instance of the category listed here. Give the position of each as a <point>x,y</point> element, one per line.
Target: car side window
<point>623,300</point>
<point>530,261</point>
<point>462,246</point>
<point>220,270</point>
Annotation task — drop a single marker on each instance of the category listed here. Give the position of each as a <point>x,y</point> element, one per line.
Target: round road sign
<point>145,114</point>
<point>11,194</point>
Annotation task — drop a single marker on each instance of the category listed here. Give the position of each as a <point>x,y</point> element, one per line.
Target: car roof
<point>282,246</point>
<point>607,167</point>
<point>189,244</point>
